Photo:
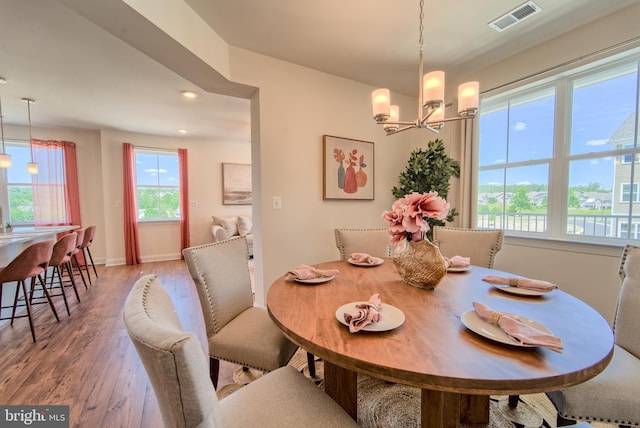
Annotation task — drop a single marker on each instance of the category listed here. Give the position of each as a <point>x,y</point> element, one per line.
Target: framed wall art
<point>348,168</point>
<point>236,184</point>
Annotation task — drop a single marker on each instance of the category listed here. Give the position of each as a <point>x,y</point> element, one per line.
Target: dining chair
<point>61,259</point>
<point>612,396</point>
<point>480,245</point>
<point>89,235</point>
<point>177,369</point>
<point>374,242</point>
<point>237,331</point>
<point>31,263</point>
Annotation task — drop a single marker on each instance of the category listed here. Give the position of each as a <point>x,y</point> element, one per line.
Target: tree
<point>520,200</point>
<point>574,202</point>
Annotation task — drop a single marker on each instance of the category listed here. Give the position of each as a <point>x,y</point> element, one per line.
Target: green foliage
<point>429,170</point>
<point>574,202</point>
<point>158,203</point>
<point>20,204</point>
<point>520,201</point>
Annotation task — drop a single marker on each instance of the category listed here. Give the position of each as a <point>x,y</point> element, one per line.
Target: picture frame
<point>348,168</point>
<point>236,184</point>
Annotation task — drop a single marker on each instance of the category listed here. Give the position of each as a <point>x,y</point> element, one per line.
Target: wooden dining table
<point>456,368</point>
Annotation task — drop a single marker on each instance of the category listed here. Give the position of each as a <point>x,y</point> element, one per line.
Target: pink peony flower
<point>408,216</point>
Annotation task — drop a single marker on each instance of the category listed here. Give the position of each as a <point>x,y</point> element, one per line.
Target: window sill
<point>593,248</point>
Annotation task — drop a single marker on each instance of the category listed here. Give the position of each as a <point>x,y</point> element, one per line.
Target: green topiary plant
<point>429,170</point>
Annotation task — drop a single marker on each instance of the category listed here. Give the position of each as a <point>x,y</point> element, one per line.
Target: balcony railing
<point>596,225</point>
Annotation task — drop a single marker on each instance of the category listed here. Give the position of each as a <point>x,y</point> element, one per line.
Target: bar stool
<point>89,234</point>
<point>61,258</point>
<point>29,264</point>
<point>74,254</point>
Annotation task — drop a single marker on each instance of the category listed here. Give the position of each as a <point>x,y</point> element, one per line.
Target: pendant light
<point>5,159</point>
<point>32,167</point>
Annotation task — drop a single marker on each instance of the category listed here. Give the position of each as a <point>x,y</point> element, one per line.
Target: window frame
<point>560,162</point>
<point>157,152</point>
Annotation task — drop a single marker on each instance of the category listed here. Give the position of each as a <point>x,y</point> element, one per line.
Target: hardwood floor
<point>86,360</point>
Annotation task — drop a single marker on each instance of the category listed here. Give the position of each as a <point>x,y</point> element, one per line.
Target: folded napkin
<point>367,313</point>
<point>309,272</point>
<point>365,258</point>
<point>458,261</point>
<point>519,331</point>
<point>531,284</point>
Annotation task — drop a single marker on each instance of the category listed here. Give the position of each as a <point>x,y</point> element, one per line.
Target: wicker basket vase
<point>419,263</point>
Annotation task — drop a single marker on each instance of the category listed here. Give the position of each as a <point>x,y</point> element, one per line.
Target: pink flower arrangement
<point>408,218</point>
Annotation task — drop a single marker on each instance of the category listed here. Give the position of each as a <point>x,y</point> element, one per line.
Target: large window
<point>562,159</point>
<point>19,185</point>
<point>157,185</point>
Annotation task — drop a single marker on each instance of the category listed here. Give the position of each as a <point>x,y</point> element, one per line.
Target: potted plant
<point>8,228</point>
<point>429,170</point>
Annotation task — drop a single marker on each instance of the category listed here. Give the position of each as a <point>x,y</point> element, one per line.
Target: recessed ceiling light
<point>182,131</point>
<point>189,94</point>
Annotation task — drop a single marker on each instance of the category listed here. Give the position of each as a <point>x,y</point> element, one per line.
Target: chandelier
<point>430,99</point>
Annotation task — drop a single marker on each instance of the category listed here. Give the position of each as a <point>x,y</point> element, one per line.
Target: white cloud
<point>523,183</point>
<point>596,142</point>
<point>520,126</point>
<point>154,171</point>
<point>594,162</point>
<point>494,183</point>
<point>500,161</point>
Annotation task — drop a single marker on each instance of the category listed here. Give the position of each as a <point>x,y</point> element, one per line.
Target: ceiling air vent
<point>518,14</point>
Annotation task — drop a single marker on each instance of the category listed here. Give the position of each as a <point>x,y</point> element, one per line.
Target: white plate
<point>315,280</point>
<point>392,317</point>
<point>459,269</point>
<point>353,262</point>
<point>521,291</point>
<point>473,322</point>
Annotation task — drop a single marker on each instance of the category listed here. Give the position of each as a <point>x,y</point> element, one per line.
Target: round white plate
<point>473,322</point>
<point>353,262</point>
<point>459,269</point>
<point>521,291</point>
<point>315,280</point>
<point>392,317</point>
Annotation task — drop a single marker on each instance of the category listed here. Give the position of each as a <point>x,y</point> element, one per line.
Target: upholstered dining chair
<point>177,369</point>
<point>612,396</point>
<point>61,259</point>
<point>237,331</point>
<point>374,242</point>
<point>480,245</point>
<point>31,263</point>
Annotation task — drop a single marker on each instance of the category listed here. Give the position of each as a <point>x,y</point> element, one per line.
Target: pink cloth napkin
<point>367,313</point>
<point>365,258</point>
<point>309,272</point>
<point>531,284</point>
<point>519,331</point>
<point>458,261</point>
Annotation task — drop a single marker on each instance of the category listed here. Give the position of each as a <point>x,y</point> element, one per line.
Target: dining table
<point>432,340</point>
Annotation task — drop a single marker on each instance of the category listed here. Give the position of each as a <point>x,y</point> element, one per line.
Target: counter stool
<point>89,234</point>
<point>74,254</point>
<point>61,258</point>
<point>29,264</point>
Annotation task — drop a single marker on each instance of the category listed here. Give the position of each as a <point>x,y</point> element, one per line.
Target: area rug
<point>387,405</point>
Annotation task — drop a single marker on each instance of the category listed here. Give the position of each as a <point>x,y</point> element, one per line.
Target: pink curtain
<point>131,237</point>
<point>56,198</point>
<point>184,200</point>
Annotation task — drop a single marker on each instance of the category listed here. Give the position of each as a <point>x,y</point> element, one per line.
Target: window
<point>19,185</point>
<point>562,158</point>
<point>157,185</point>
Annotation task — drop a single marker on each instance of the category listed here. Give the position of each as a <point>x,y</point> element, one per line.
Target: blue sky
<point>598,111</point>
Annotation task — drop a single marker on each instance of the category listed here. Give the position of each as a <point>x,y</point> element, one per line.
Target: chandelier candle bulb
<point>394,116</point>
<point>433,88</point>
<point>468,98</point>
<point>380,99</point>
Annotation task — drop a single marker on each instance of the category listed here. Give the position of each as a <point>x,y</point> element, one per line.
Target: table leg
<point>342,385</point>
<point>440,409</point>
<point>474,409</point>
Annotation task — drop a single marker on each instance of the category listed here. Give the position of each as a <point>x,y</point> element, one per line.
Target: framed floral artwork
<point>348,168</point>
<point>236,184</point>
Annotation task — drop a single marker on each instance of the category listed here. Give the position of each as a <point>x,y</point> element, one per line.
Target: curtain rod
<point>155,149</point>
<point>567,63</point>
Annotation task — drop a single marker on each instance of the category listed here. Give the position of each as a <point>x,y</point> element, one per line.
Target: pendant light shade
<point>5,159</point>
<point>32,167</point>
